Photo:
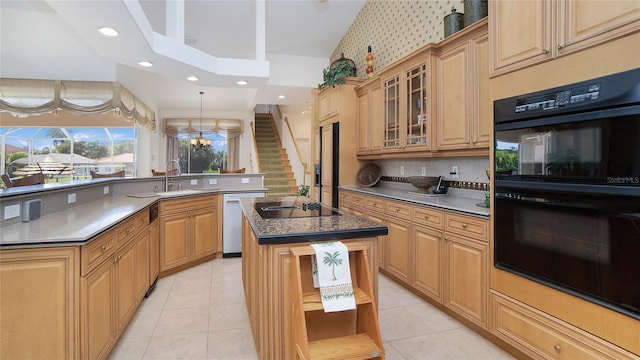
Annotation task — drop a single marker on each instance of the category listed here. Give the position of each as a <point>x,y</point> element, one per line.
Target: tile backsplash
<point>471,170</point>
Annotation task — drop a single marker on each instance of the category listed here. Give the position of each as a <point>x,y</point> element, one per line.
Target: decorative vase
<point>453,22</point>
<point>474,10</point>
<point>369,59</point>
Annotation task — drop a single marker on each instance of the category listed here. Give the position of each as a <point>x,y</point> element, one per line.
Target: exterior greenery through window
<point>103,150</point>
<point>206,160</point>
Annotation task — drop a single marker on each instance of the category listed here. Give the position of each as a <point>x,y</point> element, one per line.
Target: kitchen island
<point>272,227</point>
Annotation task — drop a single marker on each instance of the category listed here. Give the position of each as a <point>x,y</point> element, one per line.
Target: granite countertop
<point>74,226</point>
<point>449,202</point>
<point>306,229</point>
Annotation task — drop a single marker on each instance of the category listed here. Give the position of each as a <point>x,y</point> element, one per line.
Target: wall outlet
<point>213,181</point>
<point>454,171</point>
<point>245,180</point>
<point>71,198</point>
<point>11,211</point>
<point>401,170</point>
<point>105,190</point>
<point>424,171</point>
<point>194,181</point>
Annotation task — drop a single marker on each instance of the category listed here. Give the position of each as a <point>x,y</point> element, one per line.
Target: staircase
<point>272,158</point>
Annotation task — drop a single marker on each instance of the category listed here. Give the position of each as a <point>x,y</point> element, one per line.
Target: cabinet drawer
<point>544,337</point>
<point>398,209</point>
<point>358,200</point>
<point>95,252</point>
<point>187,204</point>
<point>430,217</point>
<point>472,227</point>
<point>126,230</point>
<point>375,203</point>
<point>141,220</point>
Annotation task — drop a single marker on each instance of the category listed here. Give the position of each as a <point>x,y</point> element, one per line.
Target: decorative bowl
<point>368,175</point>
<point>423,183</point>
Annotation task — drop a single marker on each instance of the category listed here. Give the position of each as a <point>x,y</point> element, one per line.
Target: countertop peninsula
<point>306,229</point>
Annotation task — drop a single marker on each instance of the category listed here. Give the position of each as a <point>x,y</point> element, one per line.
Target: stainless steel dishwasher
<point>232,223</point>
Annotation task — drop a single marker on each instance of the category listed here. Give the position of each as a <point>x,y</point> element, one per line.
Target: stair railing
<point>256,166</point>
<point>305,169</point>
<point>287,141</point>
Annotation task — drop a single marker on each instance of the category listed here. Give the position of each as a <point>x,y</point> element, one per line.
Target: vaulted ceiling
<point>279,47</point>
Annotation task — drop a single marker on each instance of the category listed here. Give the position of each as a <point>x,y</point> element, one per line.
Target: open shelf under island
<point>272,226</point>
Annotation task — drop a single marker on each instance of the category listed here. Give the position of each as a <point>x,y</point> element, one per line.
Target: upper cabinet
<point>552,28</point>
<point>433,102</point>
<point>463,120</point>
<point>369,118</point>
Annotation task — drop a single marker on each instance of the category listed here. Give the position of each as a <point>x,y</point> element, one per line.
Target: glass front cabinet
<point>406,110</point>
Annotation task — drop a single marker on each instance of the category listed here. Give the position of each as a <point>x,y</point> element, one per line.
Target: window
<point>103,150</point>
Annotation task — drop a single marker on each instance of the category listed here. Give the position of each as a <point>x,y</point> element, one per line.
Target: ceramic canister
<point>453,22</point>
<point>474,10</point>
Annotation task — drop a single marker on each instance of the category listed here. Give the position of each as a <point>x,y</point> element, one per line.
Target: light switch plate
<point>71,198</point>
<point>213,181</point>
<point>194,181</point>
<point>424,171</point>
<point>105,190</point>
<point>401,170</point>
<point>245,180</point>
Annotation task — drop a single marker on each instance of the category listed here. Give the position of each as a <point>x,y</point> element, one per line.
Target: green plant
<point>336,75</point>
<point>303,190</point>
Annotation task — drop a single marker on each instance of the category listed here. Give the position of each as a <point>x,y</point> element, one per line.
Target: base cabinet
<point>542,336</point>
<point>187,230</point>
<point>39,321</point>
<point>428,264</point>
<point>98,312</point>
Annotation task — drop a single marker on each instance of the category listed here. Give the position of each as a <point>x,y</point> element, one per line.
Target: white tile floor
<point>200,313</point>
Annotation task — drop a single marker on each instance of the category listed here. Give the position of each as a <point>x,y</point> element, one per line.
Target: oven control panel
<point>559,99</point>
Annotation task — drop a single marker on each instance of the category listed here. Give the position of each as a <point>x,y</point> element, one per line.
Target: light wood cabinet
<point>329,103</point>
<point>463,109</point>
<point>466,277</point>
<point>541,336</point>
<point>553,28</point>
<point>125,272</point>
<point>154,251</point>
<point>441,254</point>
<point>353,334</point>
<point>399,244</point>
<point>407,107</point>
<point>143,260</point>
<point>267,282</point>
<point>341,170</point>
<point>39,303</point>
<point>187,230</point>
<point>428,252</point>
<point>98,311</point>
<point>112,290</point>
<point>369,118</point>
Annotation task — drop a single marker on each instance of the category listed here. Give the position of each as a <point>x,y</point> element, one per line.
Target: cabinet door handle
<point>426,217</point>
<point>128,231</point>
<point>446,238</point>
<point>556,348</point>
<point>104,248</point>
<point>397,209</point>
<point>117,259</point>
<point>545,51</point>
<point>464,226</point>
<point>560,46</point>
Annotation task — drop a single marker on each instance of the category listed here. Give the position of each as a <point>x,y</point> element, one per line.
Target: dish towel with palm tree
<point>331,273</point>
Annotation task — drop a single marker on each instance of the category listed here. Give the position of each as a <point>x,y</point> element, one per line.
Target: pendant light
<point>200,143</point>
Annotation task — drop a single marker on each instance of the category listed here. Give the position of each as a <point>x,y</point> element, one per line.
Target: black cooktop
<point>281,210</point>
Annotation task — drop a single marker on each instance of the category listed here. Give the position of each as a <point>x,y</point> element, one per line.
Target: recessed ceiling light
<point>281,97</point>
<point>192,78</point>
<point>145,64</point>
<point>107,31</point>
<point>242,82</point>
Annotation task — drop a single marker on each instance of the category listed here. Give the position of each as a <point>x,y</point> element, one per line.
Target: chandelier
<point>200,143</point>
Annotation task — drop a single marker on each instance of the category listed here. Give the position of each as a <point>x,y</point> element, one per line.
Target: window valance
<point>228,127</point>
<point>31,97</point>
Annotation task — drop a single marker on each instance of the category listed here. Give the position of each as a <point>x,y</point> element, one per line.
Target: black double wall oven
<point>567,189</point>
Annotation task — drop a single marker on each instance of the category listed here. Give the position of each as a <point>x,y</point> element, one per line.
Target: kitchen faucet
<point>166,174</point>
